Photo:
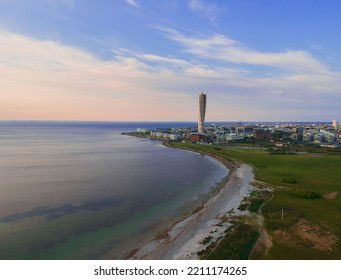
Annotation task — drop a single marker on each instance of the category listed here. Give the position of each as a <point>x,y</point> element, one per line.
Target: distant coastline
<point>231,165</point>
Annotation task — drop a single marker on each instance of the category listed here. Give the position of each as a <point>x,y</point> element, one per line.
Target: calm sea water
<point>81,190</point>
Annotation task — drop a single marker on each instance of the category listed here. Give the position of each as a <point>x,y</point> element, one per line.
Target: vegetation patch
<point>260,184</point>
<point>257,200</point>
<point>237,244</point>
<point>289,180</point>
<point>243,206</point>
<point>280,218</point>
<point>206,240</point>
<point>283,153</point>
<point>336,153</point>
<point>305,149</point>
<point>255,204</point>
<point>306,194</point>
<point>305,234</point>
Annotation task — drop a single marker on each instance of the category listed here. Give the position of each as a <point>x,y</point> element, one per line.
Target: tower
<point>335,124</point>
<point>202,111</point>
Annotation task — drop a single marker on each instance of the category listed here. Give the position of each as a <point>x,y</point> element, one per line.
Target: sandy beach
<point>184,239</point>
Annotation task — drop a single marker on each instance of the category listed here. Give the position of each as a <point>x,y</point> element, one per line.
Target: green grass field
<point>308,189</point>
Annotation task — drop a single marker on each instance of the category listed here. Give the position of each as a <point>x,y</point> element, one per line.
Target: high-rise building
<point>338,126</point>
<point>335,124</point>
<point>202,111</point>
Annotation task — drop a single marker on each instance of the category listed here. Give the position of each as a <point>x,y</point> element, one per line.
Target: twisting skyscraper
<point>202,111</point>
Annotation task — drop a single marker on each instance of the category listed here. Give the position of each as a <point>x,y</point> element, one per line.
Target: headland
<point>289,214</point>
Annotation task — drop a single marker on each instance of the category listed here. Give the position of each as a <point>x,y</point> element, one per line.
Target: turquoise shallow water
<point>80,190</point>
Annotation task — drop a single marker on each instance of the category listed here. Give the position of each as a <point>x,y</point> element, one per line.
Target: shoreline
<point>229,164</point>
<point>185,238</point>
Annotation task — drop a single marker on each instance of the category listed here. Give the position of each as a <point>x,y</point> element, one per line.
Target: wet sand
<point>184,239</point>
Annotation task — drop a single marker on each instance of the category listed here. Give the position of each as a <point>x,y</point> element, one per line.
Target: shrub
<point>206,240</point>
<point>236,245</point>
<point>289,180</point>
<point>306,194</point>
<point>243,206</point>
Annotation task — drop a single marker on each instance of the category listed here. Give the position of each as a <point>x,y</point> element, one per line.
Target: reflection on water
<point>68,189</point>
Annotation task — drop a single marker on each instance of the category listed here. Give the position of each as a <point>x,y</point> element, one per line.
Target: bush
<point>255,204</point>
<point>306,194</point>
<point>289,180</point>
<point>257,200</point>
<point>236,245</point>
<point>206,240</point>
<point>243,206</point>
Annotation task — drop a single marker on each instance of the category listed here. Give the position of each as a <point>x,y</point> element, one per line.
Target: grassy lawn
<point>308,189</point>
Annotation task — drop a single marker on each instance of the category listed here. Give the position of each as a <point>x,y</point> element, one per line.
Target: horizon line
<point>179,121</point>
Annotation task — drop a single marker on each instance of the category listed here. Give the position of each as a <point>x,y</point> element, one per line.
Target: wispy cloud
<point>45,79</point>
<point>220,47</point>
<point>203,9</point>
<point>133,3</point>
<point>157,58</point>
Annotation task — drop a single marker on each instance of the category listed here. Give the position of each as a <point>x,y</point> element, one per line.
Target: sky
<point>148,60</point>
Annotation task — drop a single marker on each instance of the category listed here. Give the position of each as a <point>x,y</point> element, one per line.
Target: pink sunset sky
<point>70,60</point>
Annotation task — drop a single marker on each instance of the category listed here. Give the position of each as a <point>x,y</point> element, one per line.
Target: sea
<point>82,190</point>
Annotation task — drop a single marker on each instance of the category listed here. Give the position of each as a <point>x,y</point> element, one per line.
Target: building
<point>338,126</point>
<point>202,111</point>
<point>335,124</point>
<point>234,137</point>
<point>262,135</point>
<point>319,138</point>
<point>297,136</point>
<point>308,137</point>
<point>197,137</point>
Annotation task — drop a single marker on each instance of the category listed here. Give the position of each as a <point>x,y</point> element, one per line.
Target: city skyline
<point>259,60</point>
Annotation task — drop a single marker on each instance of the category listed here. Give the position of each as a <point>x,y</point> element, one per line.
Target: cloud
<point>209,11</point>
<point>169,60</point>
<point>220,47</point>
<point>48,80</point>
<point>133,3</point>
